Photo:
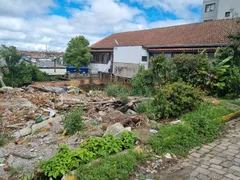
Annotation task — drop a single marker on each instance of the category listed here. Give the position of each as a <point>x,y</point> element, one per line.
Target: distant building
<point>219,9</point>
<point>51,68</point>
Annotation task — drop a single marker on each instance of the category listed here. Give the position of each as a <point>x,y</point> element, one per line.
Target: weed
<point>73,121</point>
<point>66,159</point>
<point>201,126</point>
<point>117,167</point>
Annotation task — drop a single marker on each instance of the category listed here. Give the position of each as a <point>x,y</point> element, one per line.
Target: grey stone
<point>227,164</point>
<point>219,171</point>
<point>2,153</point>
<point>216,166</point>
<point>215,161</point>
<point>231,176</point>
<point>214,175</point>
<point>237,160</point>
<point>194,174</point>
<point>235,168</point>
<point>203,171</point>
<point>196,155</point>
<point>203,177</point>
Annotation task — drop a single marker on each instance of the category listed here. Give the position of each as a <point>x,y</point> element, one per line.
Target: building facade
<point>219,9</point>
<point>121,54</point>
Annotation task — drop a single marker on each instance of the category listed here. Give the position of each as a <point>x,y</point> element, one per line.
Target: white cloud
<point>26,24</point>
<point>25,7</point>
<point>181,8</point>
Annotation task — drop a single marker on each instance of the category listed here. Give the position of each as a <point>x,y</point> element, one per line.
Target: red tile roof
<point>211,33</point>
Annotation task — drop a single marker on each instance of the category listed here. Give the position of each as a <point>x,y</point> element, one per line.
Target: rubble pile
<point>33,117</point>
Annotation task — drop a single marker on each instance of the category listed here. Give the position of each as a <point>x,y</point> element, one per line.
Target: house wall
<point>127,60</point>
<point>221,7</point>
<point>97,67</point>
<point>51,71</point>
<point>210,15</point>
<point>225,6</point>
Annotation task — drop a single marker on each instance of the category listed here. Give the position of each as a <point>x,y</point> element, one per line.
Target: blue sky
<point>31,25</point>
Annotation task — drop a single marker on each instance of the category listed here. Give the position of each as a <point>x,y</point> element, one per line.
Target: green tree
<point>78,52</point>
<point>11,55</point>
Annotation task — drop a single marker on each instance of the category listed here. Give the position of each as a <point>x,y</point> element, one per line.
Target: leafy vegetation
<point>73,121</point>
<point>175,99</point>
<point>77,53</point>
<point>116,167</point>
<point>66,159</point>
<point>198,127</point>
<point>20,73</point>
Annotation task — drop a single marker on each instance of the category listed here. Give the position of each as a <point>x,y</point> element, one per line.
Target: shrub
<point>175,99</point>
<point>162,69</point>
<point>117,167</point>
<point>73,121</point>
<point>147,108</point>
<point>142,79</point>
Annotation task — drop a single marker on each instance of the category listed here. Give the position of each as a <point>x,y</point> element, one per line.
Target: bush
<point>142,79</point>
<point>188,67</point>
<point>175,99</point>
<point>73,121</point>
<point>147,108</point>
<point>111,168</point>
<point>201,126</point>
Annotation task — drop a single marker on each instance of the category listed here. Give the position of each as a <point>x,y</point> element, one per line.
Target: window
<point>210,7</point>
<point>227,14</point>
<point>144,58</point>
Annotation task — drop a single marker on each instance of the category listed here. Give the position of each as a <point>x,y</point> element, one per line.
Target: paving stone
<point>215,161</point>
<point>216,166</point>
<point>214,175</point>
<point>222,147</point>
<point>194,174</point>
<point>193,178</point>
<point>233,151</point>
<point>203,171</point>
<point>203,177</point>
<point>237,160</point>
<point>225,178</point>
<point>231,176</point>
<point>237,174</point>
<point>196,155</point>
<point>227,164</point>
<point>219,171</point>
<point>233,147</point>
<point>236,168</point>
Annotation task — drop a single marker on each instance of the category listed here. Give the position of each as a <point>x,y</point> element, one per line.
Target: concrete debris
<point>33,115</point>
<point>154,131</point>
<point>175,122</point>
<point>116,129</point>
<point>23,132</point>
<point>168,156</point>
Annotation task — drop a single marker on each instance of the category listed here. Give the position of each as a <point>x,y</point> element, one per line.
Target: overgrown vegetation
<point>116,167</point>
<point>198,127</point>
<point>73,121</point>
<point>66,159</point>
<point>175,99</point>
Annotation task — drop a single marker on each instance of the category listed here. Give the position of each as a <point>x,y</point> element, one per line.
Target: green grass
<point>111,168</point>
<point>201,126</point>
<point>119,90</point>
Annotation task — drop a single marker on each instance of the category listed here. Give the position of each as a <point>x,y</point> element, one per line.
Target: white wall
<point>127,60</point>
<point>225,6</point>
<point>129,54</point>
<point>100,67</point>
<point>51,71</point>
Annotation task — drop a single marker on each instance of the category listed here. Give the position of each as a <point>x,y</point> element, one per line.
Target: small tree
<point>77,53</point>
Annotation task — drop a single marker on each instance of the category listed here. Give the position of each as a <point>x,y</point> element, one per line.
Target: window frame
<point>143,59</point>
<point>227,13</point>
<point>210,5</point>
